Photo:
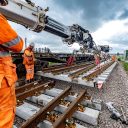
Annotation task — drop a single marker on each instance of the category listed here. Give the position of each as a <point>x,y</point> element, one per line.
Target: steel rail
<point>60,123</point>
<point>81,71</point>
<point>97,72</point>
<point>66,69</point>
<point>42,113</point>
<point>49,69</point>
<point>21,89</point>
<point>34,91</point>
<point>60,67</point>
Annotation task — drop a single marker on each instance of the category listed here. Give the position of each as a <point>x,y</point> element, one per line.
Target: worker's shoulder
<point>26,50</point>
<point>1,16</point>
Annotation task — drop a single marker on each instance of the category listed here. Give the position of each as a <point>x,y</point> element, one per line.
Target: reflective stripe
<point>30,71</point>
<point>4,53</point>
<point>12,42</point>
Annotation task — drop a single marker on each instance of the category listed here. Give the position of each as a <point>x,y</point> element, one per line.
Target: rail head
<point>42,113</point>
<point>60,123</point>
<point>26,86</point>
<point>33,91</point>
<point>66,69</point>
<point>97,71</point>
<point>81,71</point>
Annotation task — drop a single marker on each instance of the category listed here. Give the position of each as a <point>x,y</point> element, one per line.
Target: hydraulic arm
<point>34,17</point>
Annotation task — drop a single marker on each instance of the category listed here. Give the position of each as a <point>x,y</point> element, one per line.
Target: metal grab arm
<point>35,18</point>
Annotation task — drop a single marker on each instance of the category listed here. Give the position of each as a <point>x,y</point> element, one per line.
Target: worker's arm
<point>33,56</point>
<point>9,39</point>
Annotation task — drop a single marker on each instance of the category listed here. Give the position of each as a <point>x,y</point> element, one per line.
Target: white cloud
<point>110,30</point>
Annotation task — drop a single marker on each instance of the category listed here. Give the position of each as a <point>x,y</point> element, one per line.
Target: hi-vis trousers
<point>29,72</point>
<point>7,104</point>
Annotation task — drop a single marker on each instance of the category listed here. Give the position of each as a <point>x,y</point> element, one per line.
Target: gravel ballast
<point>115,90</point>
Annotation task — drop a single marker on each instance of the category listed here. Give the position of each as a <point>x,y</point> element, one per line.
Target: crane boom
<point>34,17</point>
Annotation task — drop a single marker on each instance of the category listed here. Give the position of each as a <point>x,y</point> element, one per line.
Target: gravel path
<point>115,90</point>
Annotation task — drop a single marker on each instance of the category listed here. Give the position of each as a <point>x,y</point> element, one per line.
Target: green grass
<point>51,63</point>
<point>120,58</point>
<point>125,65</point>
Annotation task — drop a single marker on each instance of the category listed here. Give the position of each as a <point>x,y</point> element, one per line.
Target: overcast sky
<point>107,21</point>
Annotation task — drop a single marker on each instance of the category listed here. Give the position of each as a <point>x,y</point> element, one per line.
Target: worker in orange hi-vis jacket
<point>97,60</point>
<point>9,41</point>
<point>29,62</point>
<point>70,60</point>
<point>114,58</point>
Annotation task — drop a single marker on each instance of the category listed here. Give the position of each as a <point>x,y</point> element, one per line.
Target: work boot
<point>32,80</point>
<point>27,81</point>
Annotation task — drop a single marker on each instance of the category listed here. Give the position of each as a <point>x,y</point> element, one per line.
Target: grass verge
<point>125,65</point>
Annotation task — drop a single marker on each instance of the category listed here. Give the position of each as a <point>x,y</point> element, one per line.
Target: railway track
<point>49,69</point>
<point>42,105</point>
<point>28,86</point>
<point>97,72</point>
<point>58,107</point>
<point>32,89</point>
<point>68,69</point>
<point>81,71</point>
<point>62,69</point>
<point>86,74</point>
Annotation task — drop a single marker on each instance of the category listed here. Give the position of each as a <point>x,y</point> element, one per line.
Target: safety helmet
<point>32,44</point>
<point>28,53</point>
<point>3,2</point>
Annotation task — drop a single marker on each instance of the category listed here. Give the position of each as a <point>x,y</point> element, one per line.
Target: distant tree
<point>118,53</point>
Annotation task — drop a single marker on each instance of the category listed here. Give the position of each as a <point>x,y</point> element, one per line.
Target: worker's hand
<point>3,2</point>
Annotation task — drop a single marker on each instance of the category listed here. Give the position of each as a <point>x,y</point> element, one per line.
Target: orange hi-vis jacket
<point>9,41</point>
<point>29,63</point>
<point>114,58</point>
<point>97,59</point>
<point>28,57</point>
<point>70,60</point>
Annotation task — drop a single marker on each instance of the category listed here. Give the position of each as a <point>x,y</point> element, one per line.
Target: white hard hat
<point>32,44</point>
<point>3,2</point>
